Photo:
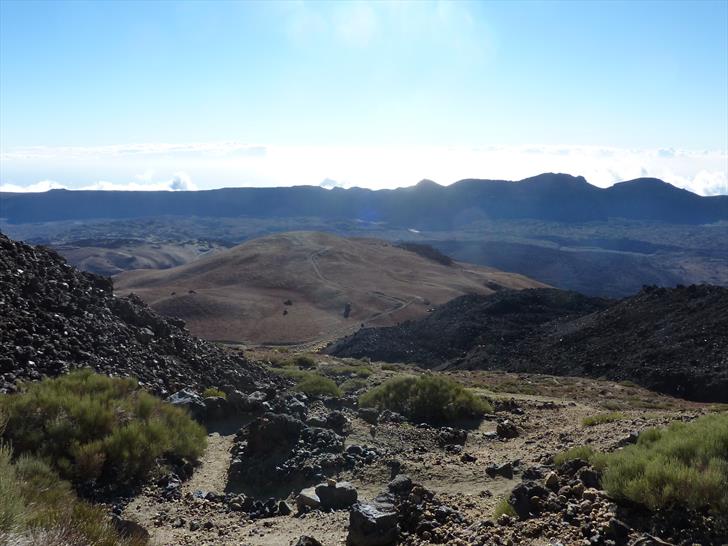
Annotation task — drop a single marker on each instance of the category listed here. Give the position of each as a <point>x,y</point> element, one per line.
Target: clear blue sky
<point>619,74</point>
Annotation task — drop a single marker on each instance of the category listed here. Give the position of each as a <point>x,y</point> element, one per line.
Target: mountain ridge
<point>548,196</point>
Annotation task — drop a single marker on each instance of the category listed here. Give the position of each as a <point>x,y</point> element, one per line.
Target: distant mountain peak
<point>556,178</point>
<point>427,183</point>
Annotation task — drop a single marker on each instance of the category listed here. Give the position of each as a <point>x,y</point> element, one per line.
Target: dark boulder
<point>372,525</point>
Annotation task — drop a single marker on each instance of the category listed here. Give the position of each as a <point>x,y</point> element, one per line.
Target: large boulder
<point>372,525</point>
<point>308,500</point>
<point>273,432</point>
<point>336,496</point>
<point>190,401</point>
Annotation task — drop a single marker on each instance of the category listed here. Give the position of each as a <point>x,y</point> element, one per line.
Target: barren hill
<point>307,286</point>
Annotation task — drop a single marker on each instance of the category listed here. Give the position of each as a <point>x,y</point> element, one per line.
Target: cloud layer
<point>173,167</point>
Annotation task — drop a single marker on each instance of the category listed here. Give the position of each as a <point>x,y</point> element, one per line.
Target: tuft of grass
<point>432,398</point>
<point>391,367</point>
<point>213,392</point>
<point>504,508</point>
<point>94,427</point>
<point>316,385</point>
<point>584,453</point>
<point>602,418</point>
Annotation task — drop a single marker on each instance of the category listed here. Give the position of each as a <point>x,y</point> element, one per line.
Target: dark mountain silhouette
<point>427,205</point>
<point>670,340</point>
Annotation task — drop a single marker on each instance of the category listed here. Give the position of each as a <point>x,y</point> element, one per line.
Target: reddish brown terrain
<point>294,288</point>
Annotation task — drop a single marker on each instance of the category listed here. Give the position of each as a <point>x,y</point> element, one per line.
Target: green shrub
<point>305,362</point>
<point>584,453</point>
<point>316,385</point>
<point>685,464</point>
<point>212,391</point>
<point>391,367</point>
<point>94,427</point>
<point>430,398</point>
<point>504,508</point>
<point>35,502</point>
<point>339,370</point>
<point>354,384</point>
<point>602,418</point>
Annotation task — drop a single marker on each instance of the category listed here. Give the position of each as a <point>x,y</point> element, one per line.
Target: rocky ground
<point>421,484</point>
<point>672,340</point>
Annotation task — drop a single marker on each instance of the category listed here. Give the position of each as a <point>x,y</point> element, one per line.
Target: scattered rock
<point>336,496</point>
<point>506,430</point>
<point>371,525</point>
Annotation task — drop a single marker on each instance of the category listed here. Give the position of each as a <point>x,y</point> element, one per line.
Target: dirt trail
<point>549,417</point>
<point>211,475</point>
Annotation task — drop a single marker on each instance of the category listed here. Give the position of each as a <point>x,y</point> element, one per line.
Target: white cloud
<point>232,164</point>
<point>43,185</point>
<point>328,183</point>
<point>179,182</point>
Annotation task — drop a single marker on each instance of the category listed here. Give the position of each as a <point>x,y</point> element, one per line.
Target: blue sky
<point>373,94</point>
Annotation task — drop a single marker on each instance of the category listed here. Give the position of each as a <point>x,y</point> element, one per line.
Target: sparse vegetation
<point>430,398</point>
<point>316,385</point>
<point>93,427</point>
<point>504,508</point>
<point>514,387</point>
<point>391,367</point>
<point>354,384</point>
<point>213,391</point>
<point>584,453</point>
<point>344,370</point>
<point>602,418</point>
<point>310,383</point>
<point>305,362</point>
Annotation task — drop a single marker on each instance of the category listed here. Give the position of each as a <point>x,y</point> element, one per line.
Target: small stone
<point>552,481</point>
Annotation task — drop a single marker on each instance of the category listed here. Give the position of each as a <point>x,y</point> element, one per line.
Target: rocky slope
<point>670,340</point>
<point>54,318</point>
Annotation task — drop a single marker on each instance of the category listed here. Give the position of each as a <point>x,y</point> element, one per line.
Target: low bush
<point>94,427</point>
<point>304,362</point>
<point>343,370</point>
<point>602,418</point>
<point>316,385</point>
<point>685,464</point>
<point>584,453</point>
<point>432,398</point>
<point>212,391</point>
<point>37,507</point>
<point>354,384</point>
<point>391,367</point>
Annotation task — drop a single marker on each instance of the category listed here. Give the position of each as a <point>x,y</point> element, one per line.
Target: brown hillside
<point>238,295</point>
